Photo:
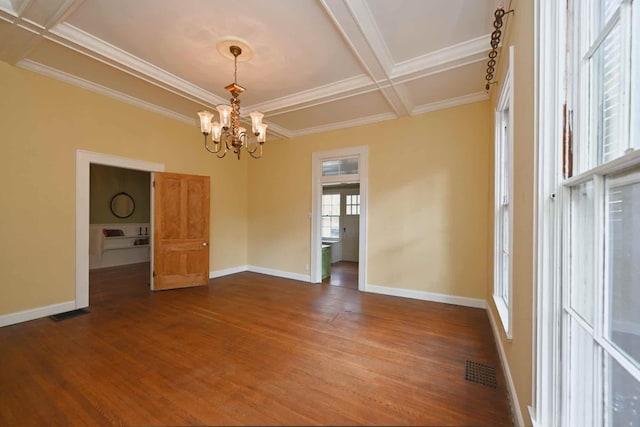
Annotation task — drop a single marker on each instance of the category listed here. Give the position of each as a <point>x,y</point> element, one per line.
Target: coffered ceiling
<point>317,64</point>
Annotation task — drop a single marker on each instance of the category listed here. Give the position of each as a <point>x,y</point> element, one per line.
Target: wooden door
<point>181,231</point>
<point>350,231</point>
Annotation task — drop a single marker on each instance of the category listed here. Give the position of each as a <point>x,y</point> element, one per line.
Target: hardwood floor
<point>248,349</point>
<point>343,273</point>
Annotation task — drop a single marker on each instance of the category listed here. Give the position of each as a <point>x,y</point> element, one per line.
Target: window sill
<point>503,314</point>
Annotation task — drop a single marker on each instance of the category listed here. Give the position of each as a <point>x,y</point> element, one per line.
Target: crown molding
<point>118,58</point>
<point>448,103</point>
<point>277,130</point>
<point>449,57</point>
<point>21,6</point>
<point>47,71</point>
<point>347,123</point>
<point>345,88</point>
<point>7,8</point>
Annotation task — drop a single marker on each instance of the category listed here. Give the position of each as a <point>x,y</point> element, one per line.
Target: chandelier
<point>228,134</point>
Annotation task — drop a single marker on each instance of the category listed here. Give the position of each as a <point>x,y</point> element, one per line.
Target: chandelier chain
<point>235,69</point>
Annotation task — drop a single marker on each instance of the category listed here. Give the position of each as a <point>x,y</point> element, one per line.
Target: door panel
<point>350,232</point>
<point>181,234</point>
<point>350,238</point>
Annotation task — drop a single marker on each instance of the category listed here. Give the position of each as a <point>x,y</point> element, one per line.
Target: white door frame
<point>362,153</point>
<point>83,161</point>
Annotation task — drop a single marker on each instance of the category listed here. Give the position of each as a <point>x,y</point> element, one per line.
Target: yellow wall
<point>43,123</point>
<point>429,179</point>
<point>520,34</point>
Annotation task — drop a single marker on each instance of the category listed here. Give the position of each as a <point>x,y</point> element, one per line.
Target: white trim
<point>550,58</point>
<point>36,313</point>
<point>449,103</point>
<point>427,296</point>
<point>362,153</point>
<point>279,273</point>
<point>504,284</point>
<point>83,161</point>
<point>277,130</point>
<point>351,86</point>
<point>102,90</point>
<point>227,271</point>
<point>115,55</point>
<point>532,415</point>
<point>457,55</point>
<point>7,7</point>
<point>29,26</point>
<point>511,388</point>
<point>363,17</point>
<point>346,124</point>
<point>6,17</point>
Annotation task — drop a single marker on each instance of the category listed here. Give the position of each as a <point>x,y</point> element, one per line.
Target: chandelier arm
<point>254,150</point>
<point>250,151</point>
<point>214,150</point>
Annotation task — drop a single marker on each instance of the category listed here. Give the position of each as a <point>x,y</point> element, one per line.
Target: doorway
<point>340,170</point>
<point>340,234</point>
<point>119,229</point>
<point>84,160</point>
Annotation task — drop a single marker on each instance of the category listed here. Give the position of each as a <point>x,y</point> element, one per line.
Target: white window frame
<point>332,216</point>
<point>503,192</point>
<point>547,405</point>
<point>349,203</point>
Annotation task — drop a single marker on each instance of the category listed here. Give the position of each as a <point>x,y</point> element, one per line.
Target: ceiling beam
<point>357,26</point>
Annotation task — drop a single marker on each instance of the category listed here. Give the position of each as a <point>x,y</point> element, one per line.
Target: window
<point>503,195</point>
<point>601,218</point>
<point>353,204</point>
<point>331,216</point>
<point>348,166</point>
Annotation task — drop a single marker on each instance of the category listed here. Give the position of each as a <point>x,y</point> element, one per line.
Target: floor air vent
<point>480,374</point>
<point>69,314</point>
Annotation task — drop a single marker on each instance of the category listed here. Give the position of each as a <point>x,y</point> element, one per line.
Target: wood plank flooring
<point>343,273</point>
<point>248,349</point>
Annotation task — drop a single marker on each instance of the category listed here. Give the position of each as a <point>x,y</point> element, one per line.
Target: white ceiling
<point>317,65</point>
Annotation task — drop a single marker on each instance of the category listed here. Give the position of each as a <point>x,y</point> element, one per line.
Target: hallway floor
<point>343,274</point>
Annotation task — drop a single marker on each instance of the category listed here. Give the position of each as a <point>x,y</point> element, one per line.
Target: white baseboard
<point>227,271</point>
<point>513,396</point>
<point>279,273</point>
<point>36,313</point>
<point>427,296</point>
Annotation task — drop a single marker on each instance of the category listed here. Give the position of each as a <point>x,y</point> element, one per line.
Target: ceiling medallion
<point>228,134</point>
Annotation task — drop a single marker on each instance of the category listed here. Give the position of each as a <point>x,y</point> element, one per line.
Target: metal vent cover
<point>69,314</point>
<point>481,374</point>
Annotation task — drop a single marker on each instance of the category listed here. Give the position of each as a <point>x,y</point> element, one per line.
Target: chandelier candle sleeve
<point>205,121</point>
<point>228,134</point>
<point>225,115</point>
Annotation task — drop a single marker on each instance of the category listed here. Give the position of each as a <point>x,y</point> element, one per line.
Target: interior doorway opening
<point>340,234</point>
<point>84,160</point>
<point>334,171</point>
<point>119,229</point>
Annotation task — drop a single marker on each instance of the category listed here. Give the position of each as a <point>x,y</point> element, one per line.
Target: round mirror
<point>122,205</point>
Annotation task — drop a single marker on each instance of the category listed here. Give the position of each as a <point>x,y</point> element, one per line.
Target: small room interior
<point>119,221</point>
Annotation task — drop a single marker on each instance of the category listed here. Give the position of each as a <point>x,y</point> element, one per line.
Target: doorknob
<point>204,243</point>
